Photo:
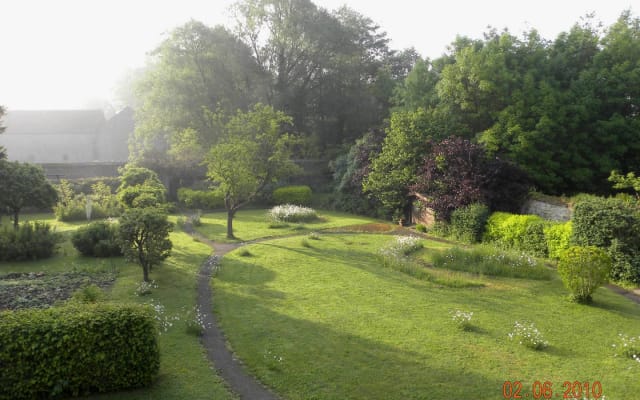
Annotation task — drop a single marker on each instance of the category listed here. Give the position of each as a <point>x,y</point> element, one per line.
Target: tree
<point>457,172</point>
<point>625,182</point>
<point>140,187</point>
<point>3,151</point>
<point>253,153</point>
<point>24,185</point>
<point>144,237</point>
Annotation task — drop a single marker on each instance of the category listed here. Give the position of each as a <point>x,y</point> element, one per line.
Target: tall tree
<point>3,151</point>
<point>195,72</point>
<point>24,185</point>
<point>254,152</point>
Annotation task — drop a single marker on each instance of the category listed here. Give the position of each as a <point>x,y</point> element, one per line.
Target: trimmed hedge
<point>31,241</point>
<point>98,239</point>
<point>297,195</point>
<point>558,238</point>
<point>76,350</point>
<point>200,199</point>
<point>519,232</point>
<point>613,225</point>
<point>468,222</point>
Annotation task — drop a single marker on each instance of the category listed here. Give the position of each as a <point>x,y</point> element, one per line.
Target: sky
<point>67,54</point>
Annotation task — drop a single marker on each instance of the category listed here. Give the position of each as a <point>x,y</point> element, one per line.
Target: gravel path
<point>213,340</point>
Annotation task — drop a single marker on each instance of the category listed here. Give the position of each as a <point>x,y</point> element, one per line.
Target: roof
<point>53,122</point>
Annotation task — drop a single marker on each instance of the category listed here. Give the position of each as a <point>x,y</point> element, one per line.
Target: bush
<point>76,350</point>
<point>613,225</point>
<point>583,270</point>
<point>421,228</point>
<point>519,232</point>
<point>30,241</point>
<point>291,213</point>
<point>200,199</point>
<point>298,195</point>
<point>468,222</point>
<point>98,239</point>
<point>558,238</point>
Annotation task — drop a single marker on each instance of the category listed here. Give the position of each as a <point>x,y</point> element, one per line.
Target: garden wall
<point>547,210</point>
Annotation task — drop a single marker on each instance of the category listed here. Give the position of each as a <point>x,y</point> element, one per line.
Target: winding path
<point>227,365</point>
<point>213,340</point>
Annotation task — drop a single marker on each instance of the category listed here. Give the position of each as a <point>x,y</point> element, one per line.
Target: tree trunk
<point>15,219</point>
<point>145,273</point>
<point>230,214</point>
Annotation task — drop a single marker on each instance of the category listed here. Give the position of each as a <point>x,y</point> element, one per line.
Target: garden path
<point>213,340</point>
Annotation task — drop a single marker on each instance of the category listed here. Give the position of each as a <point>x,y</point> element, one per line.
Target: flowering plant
<point>526,334</point>
<point>462,319</point>
<point>627,346</point>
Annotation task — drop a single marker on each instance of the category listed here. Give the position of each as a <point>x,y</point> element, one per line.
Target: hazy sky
<point>70,53</point>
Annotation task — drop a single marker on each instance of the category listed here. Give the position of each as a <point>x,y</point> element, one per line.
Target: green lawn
<point>185,373</point>
<point>329,322</point>
<point>253,224</point>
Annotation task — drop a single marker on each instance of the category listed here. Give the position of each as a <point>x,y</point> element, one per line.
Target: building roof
<point>53,122</point>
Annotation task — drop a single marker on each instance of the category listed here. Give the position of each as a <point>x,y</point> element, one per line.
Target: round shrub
<point>298,195</point>
<point>98,239</point>
<point>583,270</point>
<point>200,199</point>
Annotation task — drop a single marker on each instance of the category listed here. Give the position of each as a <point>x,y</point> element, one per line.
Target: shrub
<point>88,294</point>
<point>76,350</point>
<point>30,241</point>
<point>298,195</point>
<point>489,261</point>
<point>292,213</point>
<point>467,223</point>
<point>462,319</point>
<point>421,228</point>
<point>558,238</point>
<point>200,199</point>
<point>613,225</point>
<point>98,239</point>
<point>583,270</point>
<point>519,232</point>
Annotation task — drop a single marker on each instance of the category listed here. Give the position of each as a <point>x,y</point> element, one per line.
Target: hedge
<point>519,232</point>
<point>200,199</point>
<point>468,222</point>
<point>558,238</point>
<point>613,225</point>
<point>298,195</point>
<point>76,350</point>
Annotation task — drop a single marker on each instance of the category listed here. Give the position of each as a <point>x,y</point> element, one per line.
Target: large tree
<point>3,151</point>
<point>24,185</point>
<point>254,152</point>
<point>196,72</point>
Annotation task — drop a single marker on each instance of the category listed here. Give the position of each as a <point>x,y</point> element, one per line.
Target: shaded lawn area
<point>329,322</point>
<point>185,373</point>
<point>253,224</point>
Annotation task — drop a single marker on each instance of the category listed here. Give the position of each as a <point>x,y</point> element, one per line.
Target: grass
<point>254,224</point>
<point>329,322</point>
<point>185,373</point>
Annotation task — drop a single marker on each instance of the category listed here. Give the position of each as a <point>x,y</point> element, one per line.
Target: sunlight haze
<point>70,53</point>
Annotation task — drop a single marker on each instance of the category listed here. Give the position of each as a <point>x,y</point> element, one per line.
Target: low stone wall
<point>546,210</point>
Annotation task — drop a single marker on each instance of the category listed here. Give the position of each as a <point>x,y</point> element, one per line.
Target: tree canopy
<point>254,152</point>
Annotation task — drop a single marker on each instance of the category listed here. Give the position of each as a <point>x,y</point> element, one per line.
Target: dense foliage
<point>583,270</point>
<point>298,195</point>
<point>98,239</point>
<point>468,222</point>
<point>519,232</point>
<point>28,241</point>
<point>200,199</point>
<point>76,350</point>
<point>24,185</point>
<point>140,187</point>
<point>74,205</point>
<point>613,225</point>
<point>143,234</point>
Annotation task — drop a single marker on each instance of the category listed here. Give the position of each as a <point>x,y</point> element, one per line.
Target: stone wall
<point>553,212</point>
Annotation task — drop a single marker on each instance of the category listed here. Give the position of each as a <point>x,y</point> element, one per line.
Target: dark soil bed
<point>42,290</point>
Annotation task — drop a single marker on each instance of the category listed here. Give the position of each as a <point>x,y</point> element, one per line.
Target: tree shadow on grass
<point>311,360</point>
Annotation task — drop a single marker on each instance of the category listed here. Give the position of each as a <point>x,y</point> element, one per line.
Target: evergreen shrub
<point>76,350</point>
